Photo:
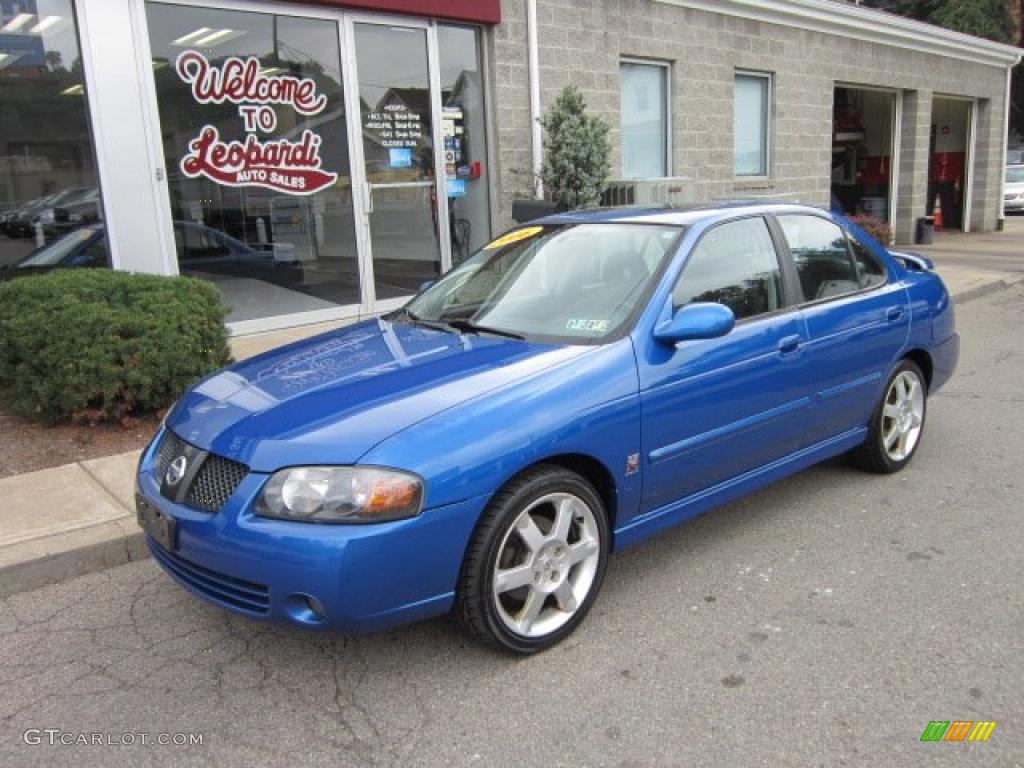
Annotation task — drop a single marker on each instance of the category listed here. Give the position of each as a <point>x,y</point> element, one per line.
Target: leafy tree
<point>576,152</point>
<point>984,18</point>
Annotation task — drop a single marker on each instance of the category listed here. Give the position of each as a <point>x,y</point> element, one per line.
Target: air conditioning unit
<point>669,191</point>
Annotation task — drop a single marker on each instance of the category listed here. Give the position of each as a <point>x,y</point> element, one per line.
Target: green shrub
<point>100,344</point>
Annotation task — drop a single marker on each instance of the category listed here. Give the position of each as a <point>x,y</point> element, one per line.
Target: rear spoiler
<point>915,262</point>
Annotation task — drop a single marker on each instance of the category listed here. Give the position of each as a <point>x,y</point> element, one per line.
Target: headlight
<point>340,495</point>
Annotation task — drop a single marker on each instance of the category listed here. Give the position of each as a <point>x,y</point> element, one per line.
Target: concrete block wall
<point>582,42</point>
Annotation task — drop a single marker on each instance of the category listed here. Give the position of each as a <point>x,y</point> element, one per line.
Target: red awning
<point>483,11</point>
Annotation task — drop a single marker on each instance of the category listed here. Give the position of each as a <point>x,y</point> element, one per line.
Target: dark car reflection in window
<point>201,250</point>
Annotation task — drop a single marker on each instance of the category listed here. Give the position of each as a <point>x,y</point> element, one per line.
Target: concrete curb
<point>66,554</point>
<point>62,564</point>
<point>979,291</point>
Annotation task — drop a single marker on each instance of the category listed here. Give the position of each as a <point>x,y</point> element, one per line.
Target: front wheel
<point>896,424</point>
<point>535,563</point>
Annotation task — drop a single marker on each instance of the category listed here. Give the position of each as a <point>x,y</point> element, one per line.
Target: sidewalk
<point>79,518</point>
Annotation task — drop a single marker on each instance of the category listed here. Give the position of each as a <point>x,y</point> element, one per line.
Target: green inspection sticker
<point>583,324</point>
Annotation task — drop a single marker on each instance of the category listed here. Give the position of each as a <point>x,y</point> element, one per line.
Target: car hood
<point>332,398</point>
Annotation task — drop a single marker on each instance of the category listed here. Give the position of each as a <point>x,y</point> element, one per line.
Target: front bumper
<point>358,578</point>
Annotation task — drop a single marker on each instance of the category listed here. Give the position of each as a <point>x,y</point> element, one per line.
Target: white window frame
<point>667,66</point>
<point>768,118</point>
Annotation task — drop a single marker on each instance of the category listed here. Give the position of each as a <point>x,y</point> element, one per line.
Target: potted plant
<point>576,152</point>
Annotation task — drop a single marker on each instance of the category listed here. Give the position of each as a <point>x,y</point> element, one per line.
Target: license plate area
<point>155,523</point>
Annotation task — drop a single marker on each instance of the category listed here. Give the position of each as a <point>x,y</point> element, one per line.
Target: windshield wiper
<point>469,325</point>
<point>417,320</point>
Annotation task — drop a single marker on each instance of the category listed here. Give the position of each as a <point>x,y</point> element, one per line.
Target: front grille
<point>213,483</point>
<point>218,587</point>
<point>170,447</point>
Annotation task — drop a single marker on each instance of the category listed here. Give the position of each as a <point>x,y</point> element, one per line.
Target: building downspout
<point>535,127</point>
<point>1001,222</point>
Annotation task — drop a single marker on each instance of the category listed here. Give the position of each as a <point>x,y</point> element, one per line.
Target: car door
<point>857,321</point>
<point>717,408</point>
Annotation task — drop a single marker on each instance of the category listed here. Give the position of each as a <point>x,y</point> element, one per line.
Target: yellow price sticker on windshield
<point>513,237</point>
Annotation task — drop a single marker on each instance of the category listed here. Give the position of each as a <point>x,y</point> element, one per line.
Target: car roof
<point>678,216</point>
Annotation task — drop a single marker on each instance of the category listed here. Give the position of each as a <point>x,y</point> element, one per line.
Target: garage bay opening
<point>863,131</point>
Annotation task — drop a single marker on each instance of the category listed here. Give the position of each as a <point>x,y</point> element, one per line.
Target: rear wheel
<point>535,563</point>
<point>896,424</point>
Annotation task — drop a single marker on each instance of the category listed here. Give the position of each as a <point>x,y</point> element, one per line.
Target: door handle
<point>789,344</point>
<point>894,313</point>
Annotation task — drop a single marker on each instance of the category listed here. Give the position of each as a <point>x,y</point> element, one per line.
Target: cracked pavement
<point>823,621</point>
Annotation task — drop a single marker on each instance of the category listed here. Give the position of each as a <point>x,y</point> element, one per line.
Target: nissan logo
<point>176,471</point>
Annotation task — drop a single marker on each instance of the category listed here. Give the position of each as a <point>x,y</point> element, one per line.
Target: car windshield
<point>1015,175</point>
<point>54,253</point>
<point>565,282</point>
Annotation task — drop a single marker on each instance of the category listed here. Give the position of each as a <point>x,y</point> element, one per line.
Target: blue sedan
<point>576,386</point>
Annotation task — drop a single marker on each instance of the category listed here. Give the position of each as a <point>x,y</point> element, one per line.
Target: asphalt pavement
<point>824,621</point>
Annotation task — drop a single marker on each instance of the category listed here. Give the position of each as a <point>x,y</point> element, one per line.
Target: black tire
<point>477,607</point>
<point>872,455</point>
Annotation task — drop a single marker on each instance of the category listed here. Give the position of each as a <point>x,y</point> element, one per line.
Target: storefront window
<point>48,182</point>
<point>465,138</point>
<point>256,148</point>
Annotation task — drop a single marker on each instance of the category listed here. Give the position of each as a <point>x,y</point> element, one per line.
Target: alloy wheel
<point>902,416</point>
<point>546,565</point>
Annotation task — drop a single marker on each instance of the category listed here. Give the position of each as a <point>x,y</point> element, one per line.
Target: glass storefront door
<point>397,108</point>
<point>316,159</point>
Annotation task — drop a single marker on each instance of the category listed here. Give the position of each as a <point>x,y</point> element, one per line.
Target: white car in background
<point>1013,191</point>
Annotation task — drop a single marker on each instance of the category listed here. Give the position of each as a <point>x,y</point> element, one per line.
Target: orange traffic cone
<point>937,212</point>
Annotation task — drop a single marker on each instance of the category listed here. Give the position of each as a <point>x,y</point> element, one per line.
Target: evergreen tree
<point>576,152</point>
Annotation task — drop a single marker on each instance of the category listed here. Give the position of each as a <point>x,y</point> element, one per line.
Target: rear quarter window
<point>870,271</point>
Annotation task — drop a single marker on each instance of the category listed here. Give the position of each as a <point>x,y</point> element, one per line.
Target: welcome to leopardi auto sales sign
<point>283,165</point>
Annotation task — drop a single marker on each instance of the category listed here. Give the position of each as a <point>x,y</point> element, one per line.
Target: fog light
<point>305,609</point>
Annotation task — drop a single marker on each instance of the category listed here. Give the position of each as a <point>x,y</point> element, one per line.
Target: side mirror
<point>696,321</point>
<point>424,286</point>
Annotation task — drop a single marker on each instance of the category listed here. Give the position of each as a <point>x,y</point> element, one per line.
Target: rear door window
<point>821,256</point>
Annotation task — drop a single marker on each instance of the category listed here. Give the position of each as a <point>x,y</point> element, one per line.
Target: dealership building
<point>318,160</point>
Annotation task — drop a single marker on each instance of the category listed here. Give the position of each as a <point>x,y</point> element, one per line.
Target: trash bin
<point>925,234</point>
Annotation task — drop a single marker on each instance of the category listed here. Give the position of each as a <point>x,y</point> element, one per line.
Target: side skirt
<point>640,528</point>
